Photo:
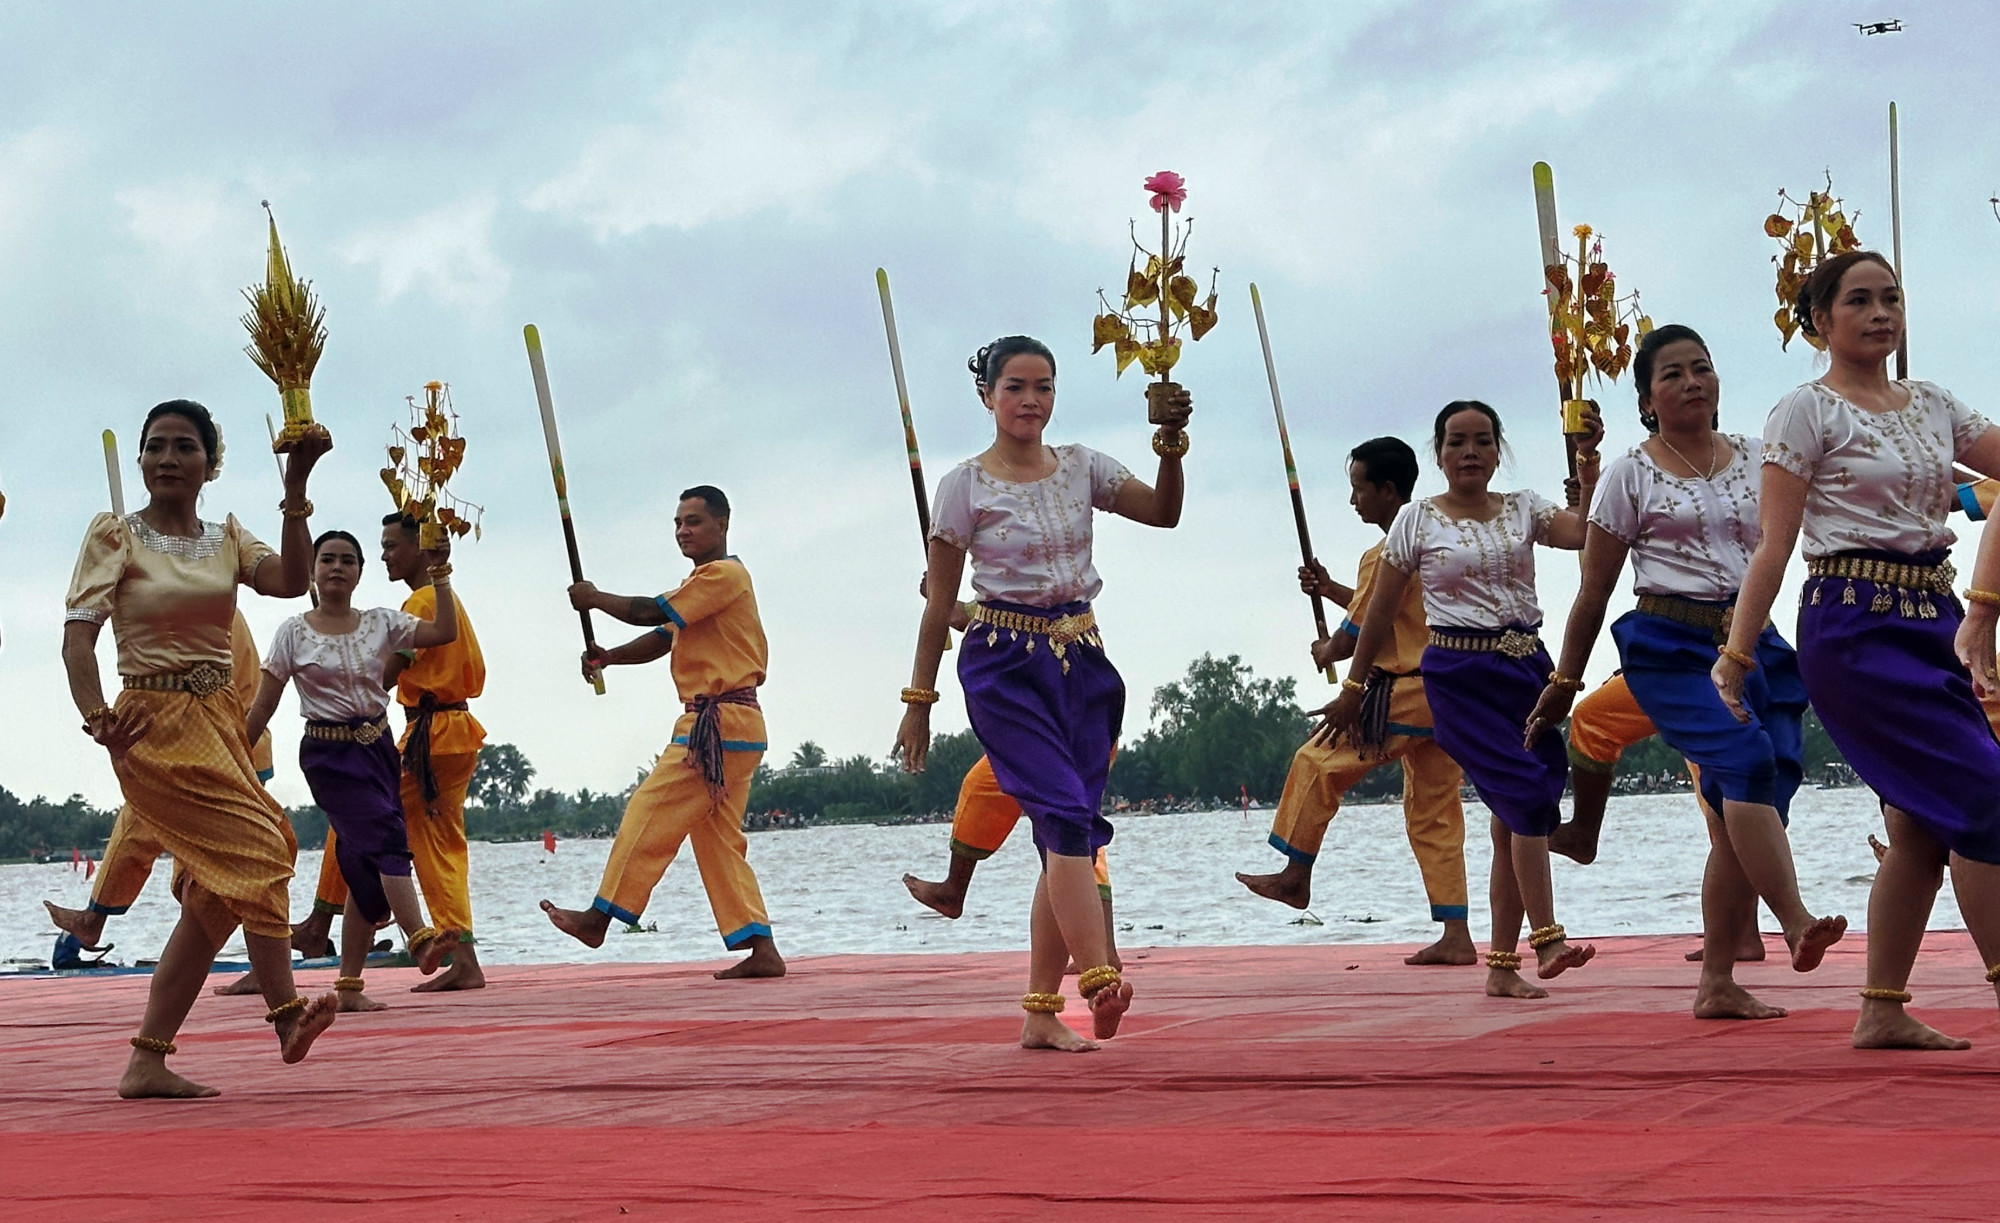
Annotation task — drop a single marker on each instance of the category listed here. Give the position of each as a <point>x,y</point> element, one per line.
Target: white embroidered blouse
<point>1029,543</point>
<point>1689,536</point>
<point>1474,574</point>
<point>339,677</point>
<point>1874,480</point>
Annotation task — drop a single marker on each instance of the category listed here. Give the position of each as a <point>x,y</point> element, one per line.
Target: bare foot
<point>464,973</point>
<point>1285,887</point>
<point>1814,940</point>
<point>1108,1007</point>
<point>1042,1031</point>
<point>1114,959</point>
<point>1506,983</point>
<point>937,897</point>
<point>146,1077</point>
<point>310,939</point>
<point>86,925</point>
<point>1559,957</point>
<point>1454,947</point>
<point>296,1033</point>
<point>1881,850</point>
<point>435,951</point>
<point>245,984</point>
<point>763,961</point>
<point>1574,843</point>
<point>1728,1000</point>
<point>1751,951</point>
<point>1886,1025</point>
<point>355,1000</point>
<point>586,926</point>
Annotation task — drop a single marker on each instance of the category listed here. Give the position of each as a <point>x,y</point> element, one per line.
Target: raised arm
<point>1781,509</point>
<point>1159,504</point>
<point>1570,529</point>
<point>442,628</point>
<point>1603,560</point>
<point>289,574</point>
<point>941,579</point>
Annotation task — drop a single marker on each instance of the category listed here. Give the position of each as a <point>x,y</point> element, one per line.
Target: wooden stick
<point>917,485</point>
<point>1291,468</point>
<point>112,473</point>
<point>1545,220</point>
<point>1896,238</point>
<point>549,435</point>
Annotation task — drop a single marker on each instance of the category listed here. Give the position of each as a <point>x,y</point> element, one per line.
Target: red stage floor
<point>1307,1083</point>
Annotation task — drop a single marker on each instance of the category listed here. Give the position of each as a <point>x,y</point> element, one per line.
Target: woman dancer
<point>339,654</point>
<point>1683,504</point>
<point>166,580</point>
<point>1474,552</point>
<point>1043,698</point>
<point>1863,465</point>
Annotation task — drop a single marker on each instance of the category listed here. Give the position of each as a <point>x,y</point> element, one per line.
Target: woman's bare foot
<point>85,925</point>
<point>296,1033</point>
<point>1751,951</point>
<point>1041,1031</point>
<point>1453,947</point>
<point>586,926</point>
<point>763,961</point>
<point>245,984</point>
<point>1559,957</point>
<point>146,1077</point>
<point>938,897</point>
<point>354,1000</point>
<point>1287,887</point>
<point>1108,1007</point>
<point>1506,983</point>
<point>433,953</point>
<point>1886,1025</point>
<point>1813,941</point>
<point>464,973</point>
<point>1728,1000</point>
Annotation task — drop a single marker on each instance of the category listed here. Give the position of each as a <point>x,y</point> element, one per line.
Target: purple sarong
<point>359,787</point>
<point>1892,695</point>
<point>1047,731</point>
<point>1480,703</point>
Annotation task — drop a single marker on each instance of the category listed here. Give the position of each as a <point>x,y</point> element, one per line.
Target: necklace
<point>1713,450</point>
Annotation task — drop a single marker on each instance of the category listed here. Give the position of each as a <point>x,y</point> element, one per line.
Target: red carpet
<point>1252,1083</point>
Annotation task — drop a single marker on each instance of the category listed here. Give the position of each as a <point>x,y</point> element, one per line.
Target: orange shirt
<point>452,673</point>
<point>719,646</point>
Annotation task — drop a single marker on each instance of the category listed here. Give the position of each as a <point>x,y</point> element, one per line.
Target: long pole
<point>917,484</point>
<point>1545,221</point>
<point>1896,236</point>
<point>549,435</point>
<point>1291,468</point>
<point>112,474</point>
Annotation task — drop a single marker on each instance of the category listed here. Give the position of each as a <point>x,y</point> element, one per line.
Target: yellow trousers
<point>674,805</point>
<point>127,864</point>
<point>1432,814</point>
<point>437,848</point>
<point>984,817</point>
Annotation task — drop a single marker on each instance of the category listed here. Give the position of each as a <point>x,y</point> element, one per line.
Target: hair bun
<point>977,364</point>
<point>1802,310</point>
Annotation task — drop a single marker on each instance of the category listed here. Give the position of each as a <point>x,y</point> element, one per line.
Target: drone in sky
<point>1879,27</point>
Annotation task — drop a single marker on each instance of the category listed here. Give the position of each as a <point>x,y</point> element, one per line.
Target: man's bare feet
<point>245,984</point>
<point>1453,947</point>
<point>1886,1025</point>
<point>464,973</point>
<point>1042,1031</point>
<point>1728,1000</point>
<point>1108,1007</point>
<point>1506,983</point>
<point>1576,843</point>
<point>355,1000</point>
<point>1814,940</point>
<point>296,1033</point>
<point>146,1077</point>
<point>433,953</point>
<point>763,961</point>
<point>86,925</point>
<point>1291,886</point>
<point>1559,957</point>
<point>1751,951</point>
<point>586,926</point>
<point>940,898</point>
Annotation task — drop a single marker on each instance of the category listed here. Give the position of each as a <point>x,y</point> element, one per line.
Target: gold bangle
<point>1547,934</point>
<point>1738,657</point>
<point>1877,993</point>
<point>153,1044</point>
<point>304,511</point>
<point>1042,1004</point>
<point>1503,959</point>
<point>1350,684</point>
<point>1987,597</point>
<point>440,571</point>
<point>920,696</point>
<point>99,714</point>
<point>1094,979</point>
<point>1993,973</point>
<point>1170,445</point>
<point>285,1009</point>
<point>1558,680</point>
<point>423,938</point>
<point>348,985</point>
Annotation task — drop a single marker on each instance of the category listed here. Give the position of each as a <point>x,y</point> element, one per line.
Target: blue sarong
<point>1480,704</point>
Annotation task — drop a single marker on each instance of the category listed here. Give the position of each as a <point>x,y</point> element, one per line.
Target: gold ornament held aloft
<point>287,329</point>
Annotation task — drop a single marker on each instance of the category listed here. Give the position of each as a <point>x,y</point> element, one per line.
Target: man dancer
<point>701,782</point>
<point>1383,474</point>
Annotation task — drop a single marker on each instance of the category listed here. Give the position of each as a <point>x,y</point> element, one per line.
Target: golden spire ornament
<point>1818,230</point>
<point>422,460</point>
<point>1155,342</point>
<point>287,334</point>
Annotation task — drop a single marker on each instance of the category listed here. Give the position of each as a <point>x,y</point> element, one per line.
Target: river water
<point>838,889</point>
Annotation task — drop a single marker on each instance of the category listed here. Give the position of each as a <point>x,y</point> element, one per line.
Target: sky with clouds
<point>690,201</point>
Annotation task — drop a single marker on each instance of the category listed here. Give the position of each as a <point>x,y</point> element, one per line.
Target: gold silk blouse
<point>171,601</point>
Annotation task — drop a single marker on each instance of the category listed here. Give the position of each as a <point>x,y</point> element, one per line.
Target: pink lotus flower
<point>1168,189</point>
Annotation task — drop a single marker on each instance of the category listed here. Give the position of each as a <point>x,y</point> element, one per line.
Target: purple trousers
<point>1048,725</point>
<point>1480,704</point>
<point>360,788</point>
<point>1892,696</point>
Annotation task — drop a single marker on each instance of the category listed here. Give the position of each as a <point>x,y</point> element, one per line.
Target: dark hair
<point>987,364</point>
<point>1453,409</point>
<point>360,557</point>
<point>1642,368</point>
<point>1388,460</point>
<point>1820,288</point>
<point>710,496</point>
<point>408,523</point>
<point>196,415</point>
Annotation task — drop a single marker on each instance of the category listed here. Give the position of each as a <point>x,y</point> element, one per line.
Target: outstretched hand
<point>124,728</point>
<point>1337,718</point>
<point>913,739</point>
<point>304,454</point>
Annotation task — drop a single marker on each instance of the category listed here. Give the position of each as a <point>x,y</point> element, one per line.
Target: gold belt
<point>340,732</point>
<point>1513,643</point>
<point>1692,613</point>
<point>1062,632</point>
<point>1921,581</point>
<point>204,679</point>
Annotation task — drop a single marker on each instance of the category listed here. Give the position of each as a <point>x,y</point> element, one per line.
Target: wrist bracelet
<point>440,571</point>
<point>1170,445</point>
<point>1351,684</point>
<point>920,696</point>
<point>1738,657</point>
<point>1558,680</point>
<point>99,714</point>
<point>1989,598</point>
<point>304,511</point>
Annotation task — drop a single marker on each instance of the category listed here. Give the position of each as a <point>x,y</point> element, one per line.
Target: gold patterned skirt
<point>191,787</point>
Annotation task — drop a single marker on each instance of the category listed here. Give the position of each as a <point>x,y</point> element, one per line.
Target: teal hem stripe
<point>1350,628</point>
<point>109,910</point>
<point>604,906</point>
<point>737,939</point>
<point>671,614</point>
<point>1448,913</point>
<point>266,774</point>
<point>1296,855</point>
<point>729,745</point>
<point>1413,732</point>
<point>1968,502</point>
